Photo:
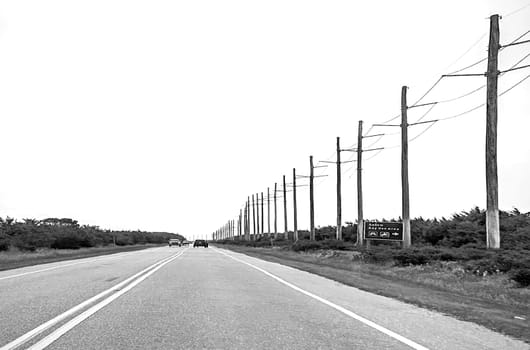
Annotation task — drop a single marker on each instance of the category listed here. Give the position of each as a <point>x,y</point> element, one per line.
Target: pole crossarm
<point>349,150</point>
<point>386,125</point>
<point>464,75</point>
<point>367,136</point>
<point>373,149</point>
<point>516,68</point>
<point>320,166</point>
<point>425,122</point>
<point>423,105</point>
<point>517,43</point>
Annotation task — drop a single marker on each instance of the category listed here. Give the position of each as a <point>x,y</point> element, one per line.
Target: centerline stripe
<point>43,327</point>
<point>347,312</point>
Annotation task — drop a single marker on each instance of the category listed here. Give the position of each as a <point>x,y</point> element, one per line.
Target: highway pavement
<point>211,298</point>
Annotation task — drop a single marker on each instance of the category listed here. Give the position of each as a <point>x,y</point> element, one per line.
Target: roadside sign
<point>386,231</point>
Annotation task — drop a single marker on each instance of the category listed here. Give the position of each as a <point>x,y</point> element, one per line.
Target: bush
<point>522,277</point>
<point>411,257</point>
<point>305,245</point>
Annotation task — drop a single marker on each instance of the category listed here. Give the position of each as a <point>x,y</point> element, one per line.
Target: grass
<point>15,258</point>
<point>493,301</point>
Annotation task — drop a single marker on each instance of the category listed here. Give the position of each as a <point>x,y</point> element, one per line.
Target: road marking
<point>43,327</point>
<point>59,332</point>
<point>118,255</point>
<point>347,312</point>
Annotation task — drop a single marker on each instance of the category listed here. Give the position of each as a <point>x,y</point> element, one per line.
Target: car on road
<point>200,243</point>
<point>173,242</point>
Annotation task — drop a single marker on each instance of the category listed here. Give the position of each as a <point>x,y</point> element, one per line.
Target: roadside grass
<point>491,300</point>
<point>15,258</point>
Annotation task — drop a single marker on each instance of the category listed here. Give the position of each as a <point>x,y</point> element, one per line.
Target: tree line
<point>66,233</point>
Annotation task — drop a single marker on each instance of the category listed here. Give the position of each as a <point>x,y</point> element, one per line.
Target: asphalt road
<point>209,298</point>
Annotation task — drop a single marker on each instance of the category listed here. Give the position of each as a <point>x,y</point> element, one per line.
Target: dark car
<point>200,243</point>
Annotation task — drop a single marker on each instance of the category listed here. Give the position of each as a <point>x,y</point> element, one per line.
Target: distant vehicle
<point>200,243</point>
<point>186,242</point>
<point>175,241</point>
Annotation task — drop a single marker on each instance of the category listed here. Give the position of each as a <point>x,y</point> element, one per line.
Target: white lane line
<point>347,312</point>
<point>59,332</point>
<point>43,327</point>
<point>66,265</point>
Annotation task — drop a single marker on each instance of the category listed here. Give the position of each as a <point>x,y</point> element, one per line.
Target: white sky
<point>166,115</point>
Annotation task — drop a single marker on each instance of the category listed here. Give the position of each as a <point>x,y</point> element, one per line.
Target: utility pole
<point>405,170</point>
<point>268,211</point>
<point>339,195</point>
<point>493,237</point>
<point>262,216</point>
<point>285,209</point>
<point>257,214</point>
<point>311,201</point>
<point>254,217</point>
<point>275,213</point>
<point>240,224</point>
<point>248,218</point>
<point>360,220</point>
<point>295,212</point>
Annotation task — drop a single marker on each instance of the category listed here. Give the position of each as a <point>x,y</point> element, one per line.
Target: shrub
<point>522,277</point>
<point>411,257</point>
<point>305,245</point>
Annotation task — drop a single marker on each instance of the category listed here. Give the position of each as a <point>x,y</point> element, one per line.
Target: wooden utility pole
<point>275,213</point>
<point>240,224</point>
<point>493,236</point>
<point>257,214</point>
<point>262,216</point>
<point>339,195</point>
<point>248,218</point>
<point>268,211</point>
<point>405,205</point>
<point>360,220</point>
<point>254,216</point>
<point>295,212</point>
<point>285,210</point>
<point>311,201</point>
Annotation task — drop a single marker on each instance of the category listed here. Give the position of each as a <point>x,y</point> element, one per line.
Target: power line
<point>516,11</point>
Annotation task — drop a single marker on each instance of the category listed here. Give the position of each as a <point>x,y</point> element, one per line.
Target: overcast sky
<point>166,115</point>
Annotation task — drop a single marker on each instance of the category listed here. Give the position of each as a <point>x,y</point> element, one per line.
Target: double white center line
<point>117,290</point>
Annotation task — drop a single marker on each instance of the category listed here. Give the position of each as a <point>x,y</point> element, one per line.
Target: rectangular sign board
<point>387,231</point>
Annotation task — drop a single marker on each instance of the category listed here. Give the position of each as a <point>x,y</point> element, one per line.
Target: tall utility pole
<point>248,218</point>
<point>254,216</point>
<point>339,194</point>
<point>275,213</point>
<point>268,211</point>
<point>405,170</point>
<point>240,224</point>
<point>311,201</point>
<point>295,212</point>
<point>285,209</point>
<point>360,220</point>
<point>257,214</point>
<point>493,237</point>
<point>262,216</point>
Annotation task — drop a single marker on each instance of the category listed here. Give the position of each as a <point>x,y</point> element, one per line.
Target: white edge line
<point>115,255</point>
<point>349,313</point>
<point>59,332</point>
<point>36,331</point>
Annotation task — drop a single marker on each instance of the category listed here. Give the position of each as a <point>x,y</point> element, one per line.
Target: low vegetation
<point>460,239</point>
<point>30,235</point>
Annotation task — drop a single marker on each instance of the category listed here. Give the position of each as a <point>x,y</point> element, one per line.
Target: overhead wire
<point>516,11</point>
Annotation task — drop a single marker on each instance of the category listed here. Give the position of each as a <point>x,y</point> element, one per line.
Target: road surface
<point>210,298</point>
